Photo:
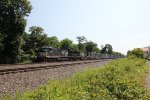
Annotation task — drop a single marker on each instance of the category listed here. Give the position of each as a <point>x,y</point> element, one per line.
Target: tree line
<point>17,46</point>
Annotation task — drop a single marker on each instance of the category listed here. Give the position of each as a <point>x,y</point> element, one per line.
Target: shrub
<point>137,52</point>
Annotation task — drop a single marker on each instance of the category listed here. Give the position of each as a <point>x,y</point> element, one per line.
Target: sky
<point>125,24</point>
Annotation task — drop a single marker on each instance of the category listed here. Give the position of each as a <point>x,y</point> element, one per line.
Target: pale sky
<point>125,24</point>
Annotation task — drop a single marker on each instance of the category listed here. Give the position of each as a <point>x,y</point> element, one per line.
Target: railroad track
<point>41,67</point>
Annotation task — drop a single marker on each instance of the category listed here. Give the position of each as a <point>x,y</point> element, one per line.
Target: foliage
<point>53,42</point>
<point>81,40</point>
<point>91,46</point>
<point>107,49</point>
<point>32,43</point>
<point>67,44</point>
<point>137,52</point>
<point>75,47</point>
<point>12,26</point>
<point>118,54</point>
<point>122,79</point>
<point>1,39</point>
<point>81,47</point>
<point>38,38</point>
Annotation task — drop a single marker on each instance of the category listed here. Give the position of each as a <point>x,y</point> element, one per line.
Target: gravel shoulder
<point>10,83</point>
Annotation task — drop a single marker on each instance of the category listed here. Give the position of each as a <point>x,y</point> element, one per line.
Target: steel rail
<point>42,67</point>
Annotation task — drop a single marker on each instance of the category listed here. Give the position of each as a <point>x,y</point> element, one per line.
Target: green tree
<point>53,41</point>
<point>27,44</point>
<point>1,39</point>
<point>137,52</point>
<point>75,47</point>
<point>91,46</point>
<point>118,54</point>
<point>32,43</point>
<point>81,40</point>
<point>103,51</point>
<point>25,41</point>
<point>107,49</point>
<point>129,53</point>
<point>12,26</point>
<point>38,38</point>
<point>66,44</point>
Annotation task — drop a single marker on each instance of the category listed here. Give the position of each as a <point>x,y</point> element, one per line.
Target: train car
<point>95,56</point>
<point>75,55</point>
<point>52,54</point>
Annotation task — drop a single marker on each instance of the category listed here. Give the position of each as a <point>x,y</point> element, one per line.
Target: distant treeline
<point>18,46</point>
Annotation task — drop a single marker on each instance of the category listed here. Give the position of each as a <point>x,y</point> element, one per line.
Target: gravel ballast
<point>21,82</point>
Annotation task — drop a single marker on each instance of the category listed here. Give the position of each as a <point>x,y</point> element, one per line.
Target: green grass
<point>120,79</point>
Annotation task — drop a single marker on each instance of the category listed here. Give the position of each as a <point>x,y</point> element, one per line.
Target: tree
<point>1,39</point>
<point>38,38</point>
<point>103,51</point>
<point>107,49</point>
<point>75,47</point>
<point>81,40</point>
<point>66,44</point>
<point>32,43</point>
<point>117,54</point>
<point>12,26</point>
<point>128,53</point>
<point>137,52</point>
<point>25,41</point>
<point>53,42</point>
<point>91,46</point>
<point>1,45</point>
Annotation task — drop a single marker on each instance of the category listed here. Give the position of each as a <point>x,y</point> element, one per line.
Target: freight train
<point>50,54</point>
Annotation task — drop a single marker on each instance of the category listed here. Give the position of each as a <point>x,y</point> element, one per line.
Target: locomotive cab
<point>45,50</point>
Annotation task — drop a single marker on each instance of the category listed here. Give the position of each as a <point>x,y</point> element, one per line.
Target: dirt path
<point>148,78</point>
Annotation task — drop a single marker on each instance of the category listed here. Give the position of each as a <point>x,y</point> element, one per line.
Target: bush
<point>137,52</point>
<point>28,57</point>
